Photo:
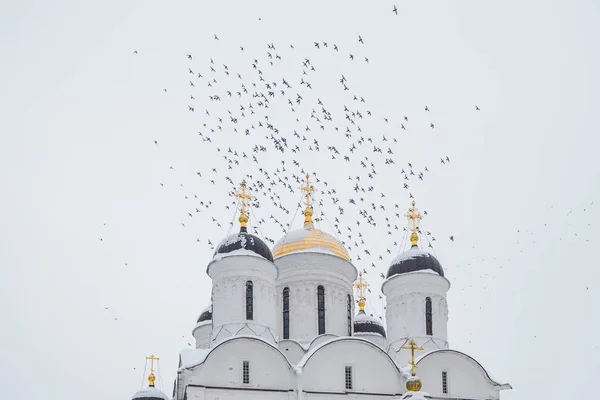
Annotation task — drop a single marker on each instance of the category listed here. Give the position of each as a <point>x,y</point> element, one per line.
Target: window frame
<point>286,312</point>
<point>321,310</point>
<point>246,372</point>
<point>445,382</point>
<point>428,317</point>
<point>348,377</point>
<point>249,301</point>
<point>349,315</point>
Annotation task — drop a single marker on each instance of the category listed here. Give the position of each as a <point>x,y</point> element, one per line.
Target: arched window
<point>349,315</point>
<point>321,308</point>
<point>286,313</point>
<point>428,322</point>
<point>249,300</point>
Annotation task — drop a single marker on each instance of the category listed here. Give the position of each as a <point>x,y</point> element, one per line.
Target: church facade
<point>283,325</point>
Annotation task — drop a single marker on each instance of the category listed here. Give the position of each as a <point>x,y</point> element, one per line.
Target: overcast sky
<point>78,163</point>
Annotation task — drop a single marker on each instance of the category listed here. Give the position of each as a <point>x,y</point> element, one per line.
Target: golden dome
<point>413,384</point>
<point>309,239</point>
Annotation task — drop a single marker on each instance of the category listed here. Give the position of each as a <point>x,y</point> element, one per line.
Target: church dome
<point>309,240</point>
<point>364,323</point>
<point>150,393</point>
<point>205,315</point>
<point>243,243</point>
<point>413,260</point>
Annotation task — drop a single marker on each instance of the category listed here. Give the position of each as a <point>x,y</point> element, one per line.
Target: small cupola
<point>150,392</point>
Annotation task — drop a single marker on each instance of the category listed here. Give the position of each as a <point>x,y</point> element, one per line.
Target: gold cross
<point>361,285</point>
<point>243,195</point>
<point>414,216</point>
<point>152,358</point>
<point>412,347</point>
<point>151,377</point>
<point>307,188</point>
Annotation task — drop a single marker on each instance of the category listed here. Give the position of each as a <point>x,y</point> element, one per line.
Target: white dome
<point>364,323</point>
<point>150,393</point>
<point>309,239</point>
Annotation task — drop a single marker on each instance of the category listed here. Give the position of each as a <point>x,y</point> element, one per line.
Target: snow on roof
<point>413,252</point>
<point>150,393</point>
<point>238,252</point>
<point>312,351</point>
<point>362,317</point>
<point>489,376</point>
<point>420,395</point>
<point>231,239</point>
<point>192,357</point>
<point>319,250</point>
<point>294,236</point>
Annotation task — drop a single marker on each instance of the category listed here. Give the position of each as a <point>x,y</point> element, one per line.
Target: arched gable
<point>465,376</point>
<point>223,366</point>
<point>324,368</point>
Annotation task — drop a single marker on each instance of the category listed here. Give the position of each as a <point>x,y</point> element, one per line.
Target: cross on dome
<point>414,217</point>
<point>308,189</point>
<point>243,195</point>
<point>361,286</point>
<point>151,377</point>
<point>412,347</point>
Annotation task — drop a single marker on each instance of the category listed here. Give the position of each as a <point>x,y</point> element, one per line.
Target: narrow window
<point>286,313</point>
<point>249,300</point>
<point>348,378</point>
<point>444,382</point>
<point>349,315</point>
<point>246,372</point>
<point>428,322</point>
<point>321,308</point>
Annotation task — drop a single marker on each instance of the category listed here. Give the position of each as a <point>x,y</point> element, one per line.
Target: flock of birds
<point>270,123</point>
<point>274,119</point>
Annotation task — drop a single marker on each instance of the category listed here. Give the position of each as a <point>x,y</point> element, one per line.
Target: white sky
<point>78,163</point>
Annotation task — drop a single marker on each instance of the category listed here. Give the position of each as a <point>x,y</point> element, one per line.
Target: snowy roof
<point>487,374</point>
<point>242,243</point>
<point>420,395</point>
<point>309,240</point>
<point>312,351</point>
<point>414,260</point>
<point>192,357</point>
<point>364,323</point>
<point>150,393</point>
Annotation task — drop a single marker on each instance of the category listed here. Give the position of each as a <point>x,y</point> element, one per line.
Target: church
<point>283,325</point>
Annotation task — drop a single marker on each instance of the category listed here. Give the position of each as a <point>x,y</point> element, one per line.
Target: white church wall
<point>223,366</point>
<point>292,350</point>
<point>320,339</point>
<point>323,368</point>
<point>349,396</point>
<point>302,273</point>
<point>466,378</point>
<point>405,309</point>
<point>373,338</point>
<point>200,393</point>
<point>229,275</point>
